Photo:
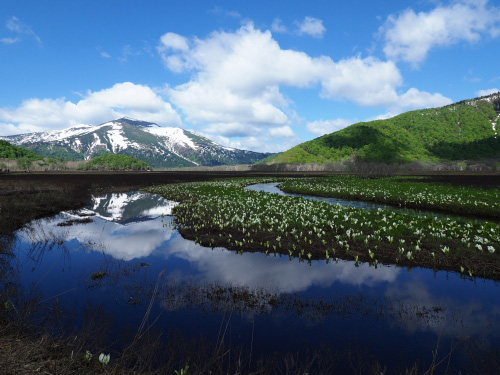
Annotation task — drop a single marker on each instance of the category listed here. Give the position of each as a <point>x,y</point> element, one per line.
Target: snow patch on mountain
<point>174,135</point>
<point>116,139</point>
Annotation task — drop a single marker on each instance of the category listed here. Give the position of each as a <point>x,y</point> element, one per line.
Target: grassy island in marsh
<point>222,213</point>
<point>411,192</point>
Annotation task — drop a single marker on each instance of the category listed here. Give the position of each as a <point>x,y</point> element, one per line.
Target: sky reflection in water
<point>128,230</point>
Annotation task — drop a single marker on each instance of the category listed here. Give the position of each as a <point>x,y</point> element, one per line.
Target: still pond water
<point>279,305</point>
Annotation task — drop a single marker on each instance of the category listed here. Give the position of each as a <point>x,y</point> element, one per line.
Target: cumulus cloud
<point>237,78</point>
<point>414,99</point>
<point>311,26</point>
<point>409,36</point>
<point>21,30</point>
<point>487,92</point>
<point>329,126</point>
<point>368,81</point>
<point>241,73</point>
<point>123,99</point>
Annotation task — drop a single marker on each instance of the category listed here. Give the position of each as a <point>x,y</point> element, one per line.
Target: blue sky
<point>257,75</point>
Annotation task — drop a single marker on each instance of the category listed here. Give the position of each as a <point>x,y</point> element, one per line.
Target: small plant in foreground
<point>104,359</point>
<point>183,371</point>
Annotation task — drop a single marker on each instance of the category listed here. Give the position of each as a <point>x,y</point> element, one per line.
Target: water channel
<point>111,253</point>
<point>272,188</point>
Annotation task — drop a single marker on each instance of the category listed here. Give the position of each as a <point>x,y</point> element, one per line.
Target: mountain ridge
<point>159,146</point>
<point>463,130</point>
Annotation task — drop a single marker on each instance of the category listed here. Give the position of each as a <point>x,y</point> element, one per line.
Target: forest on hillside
<point>461,131</point>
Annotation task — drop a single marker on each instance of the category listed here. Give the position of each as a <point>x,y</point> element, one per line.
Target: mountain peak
<point>135,122</point>
<point>159,146</point>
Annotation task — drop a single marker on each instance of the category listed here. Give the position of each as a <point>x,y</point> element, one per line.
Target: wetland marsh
<point>231,266</point>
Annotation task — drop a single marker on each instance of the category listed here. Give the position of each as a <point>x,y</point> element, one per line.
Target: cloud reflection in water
<point>130,226</point>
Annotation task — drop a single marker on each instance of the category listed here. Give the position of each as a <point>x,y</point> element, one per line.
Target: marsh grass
<point>412,192</point>
<point>221,213</point>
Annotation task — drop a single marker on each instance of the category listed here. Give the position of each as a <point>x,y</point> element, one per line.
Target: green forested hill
<point>8,151</point>
<point>114,162</point>
<point>458,131</point>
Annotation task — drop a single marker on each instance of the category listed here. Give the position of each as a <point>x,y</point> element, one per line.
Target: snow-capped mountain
<point>157,145</point>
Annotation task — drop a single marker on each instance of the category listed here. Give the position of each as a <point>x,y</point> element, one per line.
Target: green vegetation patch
<point>403,192</point>
<point>57,151</point>
<point>221,213</point>
<point>461,131</point>
<point>9,151</point>
<point>115,162</point>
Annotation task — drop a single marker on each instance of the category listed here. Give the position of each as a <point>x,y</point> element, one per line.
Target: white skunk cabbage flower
<point>104,359</point>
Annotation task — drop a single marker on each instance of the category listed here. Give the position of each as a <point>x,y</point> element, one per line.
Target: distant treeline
<point>381,169</point>
<point>114,162</point>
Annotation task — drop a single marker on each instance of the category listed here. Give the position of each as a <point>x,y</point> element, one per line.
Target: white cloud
<point>238,77</point>
<point>278,27</point>
<point>326,127</point>
<point>414,99</point>
<point>409,36</point>
<point>105,55</point>
<point>123,99</point>
<point>487,92</point>
<point>9,40</point>
<point>235,86</point>
<point>207,102</point>
<point>174,41</point>
<point>282,132</point>
<point>262,141</point>
<point>368,81</point>
<point>171,42</point>
<point>22,30</point>
<point>311,26</point>
<point>232,129</point>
